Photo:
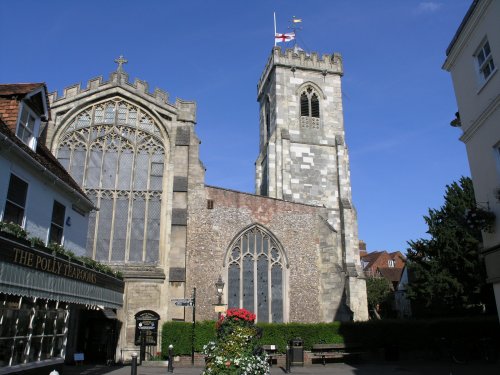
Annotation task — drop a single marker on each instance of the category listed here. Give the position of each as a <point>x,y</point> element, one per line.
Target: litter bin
<point>297,349</point>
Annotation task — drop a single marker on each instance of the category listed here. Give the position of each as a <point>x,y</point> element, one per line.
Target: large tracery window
<point>256,275</point>
<point>114,150</point>
<point>309,108</point>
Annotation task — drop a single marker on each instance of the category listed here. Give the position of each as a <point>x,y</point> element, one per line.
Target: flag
<point>280,38</point>
<point>297,20</point>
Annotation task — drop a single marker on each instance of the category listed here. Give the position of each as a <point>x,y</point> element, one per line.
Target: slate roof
<point>462,25</point>
<point>391,274</point>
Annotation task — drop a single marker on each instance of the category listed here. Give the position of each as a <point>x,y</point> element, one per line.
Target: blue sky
<point>398,102</point>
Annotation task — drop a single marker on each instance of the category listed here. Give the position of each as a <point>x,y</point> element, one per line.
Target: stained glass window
<point>256,276</point>
<point>119,161</point>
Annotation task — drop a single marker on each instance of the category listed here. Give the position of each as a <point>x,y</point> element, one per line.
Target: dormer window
<point>27,128</point>
<point>391,263</point>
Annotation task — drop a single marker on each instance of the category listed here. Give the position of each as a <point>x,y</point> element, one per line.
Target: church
<point>289,252</point>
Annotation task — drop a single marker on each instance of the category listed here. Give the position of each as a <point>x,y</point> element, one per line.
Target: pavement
<point>372,368</point>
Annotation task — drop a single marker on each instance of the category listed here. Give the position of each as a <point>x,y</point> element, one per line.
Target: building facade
<point>46,295</point>
<point>288,253</point>
<point>472,59</point>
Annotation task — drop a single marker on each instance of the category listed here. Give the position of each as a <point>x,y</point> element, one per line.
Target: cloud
<point>428,7</point>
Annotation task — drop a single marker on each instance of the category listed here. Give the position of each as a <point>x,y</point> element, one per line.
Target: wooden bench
<point>339,350</point>
<point>271,353</point>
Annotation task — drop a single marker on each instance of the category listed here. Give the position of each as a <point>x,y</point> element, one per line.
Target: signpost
<point>183,302</point>
<point>189,302</point>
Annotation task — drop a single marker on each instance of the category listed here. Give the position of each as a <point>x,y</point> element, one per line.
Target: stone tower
<point>303,156</point>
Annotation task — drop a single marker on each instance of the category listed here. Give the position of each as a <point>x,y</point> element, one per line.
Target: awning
<point>29,282</point>
<point>108,313</point>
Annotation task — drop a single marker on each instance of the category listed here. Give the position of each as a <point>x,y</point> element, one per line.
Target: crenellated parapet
<point>186,109</point>
<point>299,59</point>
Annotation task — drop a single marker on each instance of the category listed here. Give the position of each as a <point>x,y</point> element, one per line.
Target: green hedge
<point>373,334</point>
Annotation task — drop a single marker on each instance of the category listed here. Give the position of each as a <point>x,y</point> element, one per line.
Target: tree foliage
<point>446,272</point>
<point>379,293</point>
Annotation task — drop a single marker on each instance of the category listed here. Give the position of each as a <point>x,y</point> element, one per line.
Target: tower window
<point>267,110</point>
<point>309,109</point>
<point>304,105</point>
<point>314,106</point>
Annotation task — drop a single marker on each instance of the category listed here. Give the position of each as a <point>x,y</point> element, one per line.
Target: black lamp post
<point>219,285</point>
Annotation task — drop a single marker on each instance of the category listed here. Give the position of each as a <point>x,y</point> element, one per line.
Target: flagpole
<point>274,13</point>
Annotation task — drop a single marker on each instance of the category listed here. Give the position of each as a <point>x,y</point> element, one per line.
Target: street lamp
<point>219,286</point>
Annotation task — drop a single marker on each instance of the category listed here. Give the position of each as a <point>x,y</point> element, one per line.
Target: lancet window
<point>309,108</point>
<point>115,151</point>
<point>256,273</point>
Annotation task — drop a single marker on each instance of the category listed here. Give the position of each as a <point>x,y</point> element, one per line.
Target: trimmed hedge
<point>373,334</point>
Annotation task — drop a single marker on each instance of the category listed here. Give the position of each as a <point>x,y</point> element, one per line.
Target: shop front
<point>48,303</point>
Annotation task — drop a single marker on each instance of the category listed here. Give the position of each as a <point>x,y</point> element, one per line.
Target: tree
<point>447,275</point>
<point>379,293</point>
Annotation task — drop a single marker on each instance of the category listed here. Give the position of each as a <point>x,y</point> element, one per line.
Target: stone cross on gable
<point>120,61</point>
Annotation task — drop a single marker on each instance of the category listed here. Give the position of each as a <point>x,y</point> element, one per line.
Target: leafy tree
<point>379,293</point>
<point>447,275</point>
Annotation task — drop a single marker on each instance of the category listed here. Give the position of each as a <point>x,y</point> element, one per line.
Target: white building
<point>48,300</point>
<point>472,59</point>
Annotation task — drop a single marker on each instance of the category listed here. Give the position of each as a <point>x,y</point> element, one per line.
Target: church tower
<point>303,157</point>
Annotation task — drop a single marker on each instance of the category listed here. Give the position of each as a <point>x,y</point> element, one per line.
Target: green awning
<point>29,282</point>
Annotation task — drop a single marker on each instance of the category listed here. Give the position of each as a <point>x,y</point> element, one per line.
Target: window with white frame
<point>27,127</point>
<point>16,201</point>
<point>391,263</point>
<point>57,223</point>
<point>484,60</point>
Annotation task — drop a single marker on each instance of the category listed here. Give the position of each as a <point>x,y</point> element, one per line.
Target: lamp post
<point>219,285</point>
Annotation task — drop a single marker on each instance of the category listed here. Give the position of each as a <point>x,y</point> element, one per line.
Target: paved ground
<point>373,368</point>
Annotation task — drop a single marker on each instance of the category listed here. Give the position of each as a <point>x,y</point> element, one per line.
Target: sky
<point>398,101</point>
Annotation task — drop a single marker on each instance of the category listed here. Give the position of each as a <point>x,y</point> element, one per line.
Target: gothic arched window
<point>309,108</point>
<point>115,151</point>
<point>256,274</point>
<point>267,110</point>
<point>309,103</point>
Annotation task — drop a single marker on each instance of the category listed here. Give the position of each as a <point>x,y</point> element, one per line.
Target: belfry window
<point>256,275</point>
<point>309,103</point>
<point>309,109</point>
<point>267,114</point>
<point>115,151</point>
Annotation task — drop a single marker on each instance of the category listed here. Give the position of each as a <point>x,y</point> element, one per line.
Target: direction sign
<point>183,301</point>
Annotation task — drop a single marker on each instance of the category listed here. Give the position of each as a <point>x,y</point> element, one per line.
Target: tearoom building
<point>54,304</point>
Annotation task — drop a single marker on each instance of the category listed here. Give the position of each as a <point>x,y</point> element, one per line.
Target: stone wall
<point>314,282</point>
